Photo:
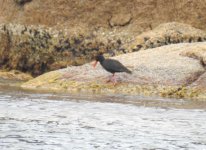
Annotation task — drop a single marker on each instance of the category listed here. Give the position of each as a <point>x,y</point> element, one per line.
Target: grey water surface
<point>32,121</point>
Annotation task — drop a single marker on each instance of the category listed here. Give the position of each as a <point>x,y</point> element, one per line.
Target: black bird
<point>111,66</point>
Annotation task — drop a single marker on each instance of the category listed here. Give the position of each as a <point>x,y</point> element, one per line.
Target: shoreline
<point>137,100</point>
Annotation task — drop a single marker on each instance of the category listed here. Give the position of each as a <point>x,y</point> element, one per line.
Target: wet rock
<point>163,71</point>
<point>165,34</point>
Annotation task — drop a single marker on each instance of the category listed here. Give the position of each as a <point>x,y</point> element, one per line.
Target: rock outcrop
<point>166,34</point>
<point>39,49</point>
<point>173,71</point>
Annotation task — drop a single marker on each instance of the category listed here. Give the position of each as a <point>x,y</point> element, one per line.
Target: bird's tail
<point>128,71</point>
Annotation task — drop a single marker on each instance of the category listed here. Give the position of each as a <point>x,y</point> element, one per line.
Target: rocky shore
<point>168,61</point>
<point>167,57</point>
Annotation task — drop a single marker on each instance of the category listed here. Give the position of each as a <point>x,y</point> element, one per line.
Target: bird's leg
<point>114,79</point>
<point>95,63</point>
<point>110,79</point>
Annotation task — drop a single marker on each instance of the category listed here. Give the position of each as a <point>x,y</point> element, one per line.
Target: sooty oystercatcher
<point>111,66</point>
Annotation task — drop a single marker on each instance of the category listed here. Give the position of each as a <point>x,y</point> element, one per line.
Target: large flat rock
<point>166,71</point>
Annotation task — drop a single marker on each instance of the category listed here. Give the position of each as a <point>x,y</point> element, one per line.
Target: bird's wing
<point>115,66</point>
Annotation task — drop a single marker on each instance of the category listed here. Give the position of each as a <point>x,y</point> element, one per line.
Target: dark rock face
<point>36,49</point>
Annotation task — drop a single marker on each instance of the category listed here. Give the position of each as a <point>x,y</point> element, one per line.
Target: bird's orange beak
<point>95,63</point>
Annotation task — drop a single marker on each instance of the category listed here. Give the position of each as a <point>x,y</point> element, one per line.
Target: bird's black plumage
<point>112,65</point>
